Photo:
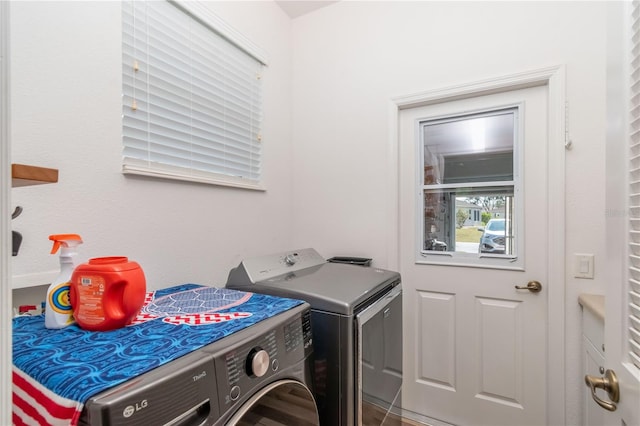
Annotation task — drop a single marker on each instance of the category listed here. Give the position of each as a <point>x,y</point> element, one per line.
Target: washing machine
<point>258,375</point>
<point>356,317</point>
<point>195,355</point>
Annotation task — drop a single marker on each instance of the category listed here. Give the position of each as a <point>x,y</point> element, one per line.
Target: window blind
<point>192,98</point>
<point>634,192</point>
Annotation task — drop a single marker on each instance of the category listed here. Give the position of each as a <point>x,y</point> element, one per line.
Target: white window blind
<point>192,98</point>
<point>634,192</point>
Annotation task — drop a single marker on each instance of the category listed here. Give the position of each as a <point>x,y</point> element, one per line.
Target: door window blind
<point>192,98</point>
<point>634,192</point>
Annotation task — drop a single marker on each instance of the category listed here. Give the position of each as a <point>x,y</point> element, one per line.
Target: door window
<point>469,183</point>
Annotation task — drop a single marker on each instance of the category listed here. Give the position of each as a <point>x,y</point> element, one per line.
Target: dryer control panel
<point>262,268</point>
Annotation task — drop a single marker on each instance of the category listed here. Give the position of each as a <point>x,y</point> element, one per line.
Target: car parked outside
<point>493,237</point>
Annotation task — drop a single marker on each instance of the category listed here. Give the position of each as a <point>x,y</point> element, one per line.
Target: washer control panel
<point>298,333</point>
<point>242,368</point>
<point>249,361</point>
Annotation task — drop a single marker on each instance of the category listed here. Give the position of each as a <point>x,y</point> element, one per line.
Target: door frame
<point>6,360</point>
<point>554,78</point>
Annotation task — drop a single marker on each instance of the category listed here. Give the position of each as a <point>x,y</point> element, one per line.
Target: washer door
<point>285,402</point>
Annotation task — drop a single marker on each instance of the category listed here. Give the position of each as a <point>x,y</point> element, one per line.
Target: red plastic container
<point>107,293</point>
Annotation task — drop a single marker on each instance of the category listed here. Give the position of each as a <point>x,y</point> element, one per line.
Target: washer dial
<point>257,362</point>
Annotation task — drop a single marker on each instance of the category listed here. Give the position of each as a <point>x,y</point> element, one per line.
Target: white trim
<point>554,79</point>
<point>213,21</point>
<point>5,227</point>
<point>393,179</point>
<point>33,279</point>
<point>445,186</point>
<point>500,262</point>
<point>556,392</point>
<point>522,80</point>
<point>211,179</point>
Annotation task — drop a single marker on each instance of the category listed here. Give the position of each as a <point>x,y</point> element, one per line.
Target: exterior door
<point>476,346</point>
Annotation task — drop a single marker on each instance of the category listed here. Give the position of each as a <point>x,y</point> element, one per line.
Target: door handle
<point>532,286</point>
<point>609,382</point>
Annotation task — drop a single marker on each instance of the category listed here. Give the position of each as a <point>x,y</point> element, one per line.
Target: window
<point>192,96</point>
<point>469,185</point>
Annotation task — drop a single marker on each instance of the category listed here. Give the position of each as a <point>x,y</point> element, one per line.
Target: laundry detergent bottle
<point>58,312</point>
<point>107,292</point>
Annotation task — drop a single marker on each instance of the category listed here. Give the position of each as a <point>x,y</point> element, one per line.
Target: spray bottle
<point>58,313</point>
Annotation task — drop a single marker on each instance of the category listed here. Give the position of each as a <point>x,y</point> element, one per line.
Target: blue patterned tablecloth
<point>77,364</point>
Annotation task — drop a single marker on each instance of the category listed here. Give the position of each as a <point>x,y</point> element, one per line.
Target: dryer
<point>356,317</point>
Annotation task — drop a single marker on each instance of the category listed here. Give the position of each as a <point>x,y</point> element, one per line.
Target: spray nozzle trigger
<point>64,240</point>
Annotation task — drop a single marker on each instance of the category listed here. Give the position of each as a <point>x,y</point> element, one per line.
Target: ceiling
<point>295,8</point>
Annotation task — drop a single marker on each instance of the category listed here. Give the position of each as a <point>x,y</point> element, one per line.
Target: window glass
<point>469,185</point>
<point>474,149</point>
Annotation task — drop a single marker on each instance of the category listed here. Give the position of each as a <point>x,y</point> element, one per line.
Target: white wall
<point>351,58</point>
<point>66,88</point>
<point>326,132</point>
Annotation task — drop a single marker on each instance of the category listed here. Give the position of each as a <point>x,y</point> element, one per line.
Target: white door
<point>622,267</point>
<point>475,346</point>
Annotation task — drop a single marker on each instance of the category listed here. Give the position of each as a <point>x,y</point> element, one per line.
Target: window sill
<point>228,181</point>
<point>454,259</point>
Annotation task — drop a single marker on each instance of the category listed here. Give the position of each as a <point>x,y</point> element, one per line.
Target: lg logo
<point>130,410</point>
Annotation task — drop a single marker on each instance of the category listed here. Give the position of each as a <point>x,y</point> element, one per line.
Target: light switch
<point>584,266</point>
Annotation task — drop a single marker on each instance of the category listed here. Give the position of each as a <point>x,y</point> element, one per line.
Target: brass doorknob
<point>609,382</point>
<point>532,286</point>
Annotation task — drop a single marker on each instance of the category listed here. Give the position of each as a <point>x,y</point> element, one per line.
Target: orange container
<point>106,293</point>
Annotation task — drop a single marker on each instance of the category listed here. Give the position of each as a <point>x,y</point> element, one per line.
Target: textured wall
<point>65,63</point>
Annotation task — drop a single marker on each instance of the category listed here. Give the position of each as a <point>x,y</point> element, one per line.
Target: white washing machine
<point>258,375</point>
